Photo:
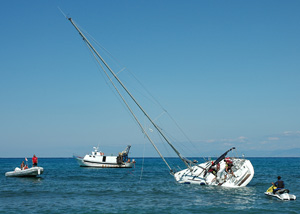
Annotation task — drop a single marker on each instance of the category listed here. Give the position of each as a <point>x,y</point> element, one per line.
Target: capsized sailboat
<point>216,172</point>
<point>208,173</point>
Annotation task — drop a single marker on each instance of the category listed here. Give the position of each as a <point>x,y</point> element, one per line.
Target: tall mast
<point>135,101</point>
<point>136,119</point>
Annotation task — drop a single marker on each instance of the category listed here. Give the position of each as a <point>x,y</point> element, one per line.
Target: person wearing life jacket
<point>228,167</point>
<point>279,184</point>
<point>214,170</point>
<point>34,161</point>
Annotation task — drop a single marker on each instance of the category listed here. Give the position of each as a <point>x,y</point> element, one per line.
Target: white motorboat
<point>30,172</point>
<point>98,159</point>
<point>242,170</point>
<point>282,194</point>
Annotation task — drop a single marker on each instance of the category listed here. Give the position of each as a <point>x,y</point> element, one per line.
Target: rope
<point>142,168</point>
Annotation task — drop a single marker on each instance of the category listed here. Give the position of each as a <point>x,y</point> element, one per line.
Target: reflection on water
<point>30,180</point>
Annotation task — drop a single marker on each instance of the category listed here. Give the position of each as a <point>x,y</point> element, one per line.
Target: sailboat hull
<point>243,174</point>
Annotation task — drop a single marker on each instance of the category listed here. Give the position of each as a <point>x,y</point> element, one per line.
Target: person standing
<point>228,167</point>
<point>34,161</point>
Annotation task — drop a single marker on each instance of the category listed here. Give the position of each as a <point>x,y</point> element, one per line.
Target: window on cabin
<point>104,158</point>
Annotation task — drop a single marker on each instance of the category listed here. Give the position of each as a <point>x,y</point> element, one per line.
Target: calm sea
<point>67,188</point>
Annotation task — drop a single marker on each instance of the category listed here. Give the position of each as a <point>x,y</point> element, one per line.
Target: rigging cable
<point>142,168</point>
<point>117,62</point>
<point>142,128</point>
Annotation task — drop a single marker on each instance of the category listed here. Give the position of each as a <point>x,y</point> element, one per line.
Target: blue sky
<point>227,71</point>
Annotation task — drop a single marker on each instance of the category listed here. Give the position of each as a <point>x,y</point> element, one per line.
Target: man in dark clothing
<point>279,184</point>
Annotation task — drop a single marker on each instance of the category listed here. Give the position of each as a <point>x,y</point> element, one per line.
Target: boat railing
<point>238,163</point>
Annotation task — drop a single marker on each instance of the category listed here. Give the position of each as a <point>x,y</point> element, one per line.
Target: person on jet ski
<point>279,184</point>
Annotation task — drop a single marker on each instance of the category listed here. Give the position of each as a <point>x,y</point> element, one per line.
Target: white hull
<point>99,164</point>
<point>99,160</point>
<point>283,197</point>
<point>31,172</point>
<point>282,194</point>
<point>243,171</point>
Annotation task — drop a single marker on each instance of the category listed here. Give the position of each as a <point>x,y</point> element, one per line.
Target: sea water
<point>148,188</point>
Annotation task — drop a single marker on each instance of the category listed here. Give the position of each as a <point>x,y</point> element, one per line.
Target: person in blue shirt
<point>279,184</point>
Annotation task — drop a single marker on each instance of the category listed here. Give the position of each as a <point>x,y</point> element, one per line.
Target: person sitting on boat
<point>228,167</point>
<point>26,165</point>
<point>34,161</point>
<point>22,165</point>
<point>279,184</point>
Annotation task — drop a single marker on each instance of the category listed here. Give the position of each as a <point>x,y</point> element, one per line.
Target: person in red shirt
<point>34,161</point>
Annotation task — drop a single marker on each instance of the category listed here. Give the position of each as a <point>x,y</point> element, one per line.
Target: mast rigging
<point>185,161</point>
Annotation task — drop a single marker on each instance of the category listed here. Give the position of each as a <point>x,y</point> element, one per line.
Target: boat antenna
<point>186,162</point>
<point>63,13</point>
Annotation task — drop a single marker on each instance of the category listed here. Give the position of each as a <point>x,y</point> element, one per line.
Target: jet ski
<point>282,194</point>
